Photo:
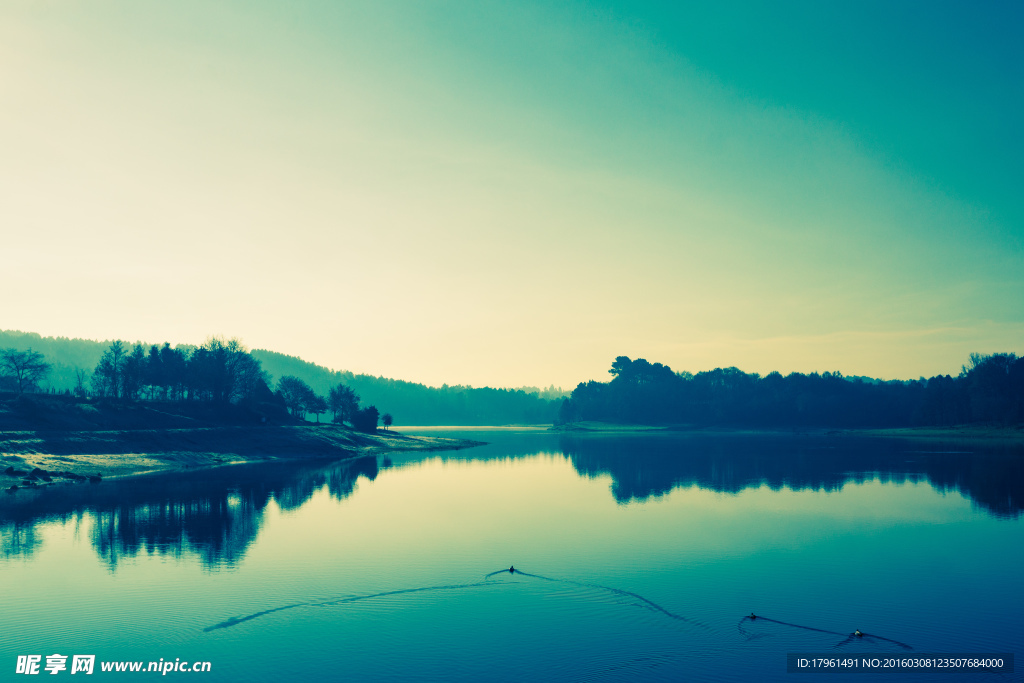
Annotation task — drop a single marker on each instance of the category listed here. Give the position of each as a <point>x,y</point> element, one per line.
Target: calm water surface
<point>640,555</point>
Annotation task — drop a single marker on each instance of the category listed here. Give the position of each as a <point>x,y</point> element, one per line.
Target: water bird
<point>753,616</point>
<point>512,569</point>
<point>858,633</point>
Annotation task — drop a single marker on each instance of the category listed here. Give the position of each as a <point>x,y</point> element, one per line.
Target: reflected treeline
<point>214,514</point>
<point>642,466</point>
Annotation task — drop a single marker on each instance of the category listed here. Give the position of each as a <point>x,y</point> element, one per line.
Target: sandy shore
<point>70,457</point>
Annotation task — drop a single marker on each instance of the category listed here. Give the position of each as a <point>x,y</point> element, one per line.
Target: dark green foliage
<point>316,405</point>
<point>365,420</point>
<point>219,371</point>
<point>991,390</point>
<point>296,394</point>
<point>108,377</point>
<point>343,403</point>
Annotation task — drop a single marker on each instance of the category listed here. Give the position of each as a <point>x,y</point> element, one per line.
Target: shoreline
<point>971,433</point>
<point>34,460</point>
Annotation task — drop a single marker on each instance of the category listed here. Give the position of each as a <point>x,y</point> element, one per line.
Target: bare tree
<point>24,368</point>
<point>81,381</point>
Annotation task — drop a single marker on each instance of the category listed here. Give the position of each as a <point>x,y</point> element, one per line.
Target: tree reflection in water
<point>642,466</point>
<point>215,514</point>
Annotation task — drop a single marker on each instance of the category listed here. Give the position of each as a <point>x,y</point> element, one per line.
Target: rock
<point>95,479</point>
<point>40,474</point>
<point>12,489</point>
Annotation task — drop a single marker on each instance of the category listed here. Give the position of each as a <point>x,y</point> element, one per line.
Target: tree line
<point>989,389</point>
<point>425,405</point>
<point>217,372</point>
<point>341,400</point>
<point>72,360</point>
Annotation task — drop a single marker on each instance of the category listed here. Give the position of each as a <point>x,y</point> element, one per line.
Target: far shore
<point>975,433</point>
<point>37,459</point>
<point>31,460</point>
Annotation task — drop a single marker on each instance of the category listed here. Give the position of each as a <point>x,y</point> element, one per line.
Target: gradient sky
<point>509,193</point>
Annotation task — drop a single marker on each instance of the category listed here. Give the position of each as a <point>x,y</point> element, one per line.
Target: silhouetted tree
<point>365,420</point>
<point>107,377</point>
<point>316,404</point>
<point>154,375</point>
<point>133,373</point>
<point>388,420</point>
<point>990,389</point>
<point>295,393</point>
<point>994,387</point>
<point>568,412</point>
<point>174,363</point>
<point>24,368</point>
<point>343,403</point>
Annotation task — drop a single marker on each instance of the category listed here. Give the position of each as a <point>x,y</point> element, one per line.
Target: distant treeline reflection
<point>642,466</point>
<point>214,514</point>
<point>217,514</point>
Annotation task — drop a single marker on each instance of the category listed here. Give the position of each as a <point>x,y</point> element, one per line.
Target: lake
<point>638,556</point>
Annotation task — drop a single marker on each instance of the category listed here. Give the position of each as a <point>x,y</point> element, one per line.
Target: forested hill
<point>408,402</point>
<point>990,389</point>
<point>65,356</point>
<point>418,404</point>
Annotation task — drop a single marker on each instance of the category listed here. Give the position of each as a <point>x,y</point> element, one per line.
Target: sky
<point>515,193</point>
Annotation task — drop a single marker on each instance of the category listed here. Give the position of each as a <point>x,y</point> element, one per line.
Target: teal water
<point>639,556</point>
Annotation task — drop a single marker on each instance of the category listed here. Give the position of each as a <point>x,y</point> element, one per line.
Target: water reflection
<point>216,515</point>
<point>642,466</point>
<point>213,514</point>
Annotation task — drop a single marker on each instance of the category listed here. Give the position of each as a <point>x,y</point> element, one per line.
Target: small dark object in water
<point>512,569</point>
<point>753,616</point>
<point>858,633</point>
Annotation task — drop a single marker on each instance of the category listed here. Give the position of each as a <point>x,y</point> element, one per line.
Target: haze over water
<point>638,557</point>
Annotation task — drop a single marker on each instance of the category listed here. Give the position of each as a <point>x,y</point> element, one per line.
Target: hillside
<point>417,404</point>
<point>410,403</point>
